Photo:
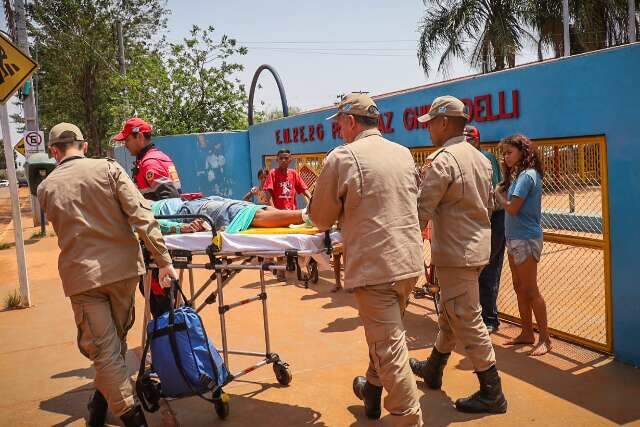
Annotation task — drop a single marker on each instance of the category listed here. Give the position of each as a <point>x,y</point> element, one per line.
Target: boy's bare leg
<point>271,217</point>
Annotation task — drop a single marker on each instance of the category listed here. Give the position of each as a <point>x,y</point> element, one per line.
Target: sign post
<point>19,147</point>
<point>15,69</point>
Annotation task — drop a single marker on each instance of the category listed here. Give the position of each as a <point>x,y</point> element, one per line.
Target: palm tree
<point>488,33</point>
<point>545,18</point>
<point>596,24</point>
<point>600,23</point>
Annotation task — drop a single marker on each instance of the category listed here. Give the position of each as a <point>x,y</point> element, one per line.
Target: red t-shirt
<point>284,188</point>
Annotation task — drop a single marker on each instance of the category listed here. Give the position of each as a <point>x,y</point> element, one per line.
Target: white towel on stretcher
<point>267,244</point>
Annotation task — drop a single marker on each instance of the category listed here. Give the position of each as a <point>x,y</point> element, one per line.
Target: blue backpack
<point>184,360</point>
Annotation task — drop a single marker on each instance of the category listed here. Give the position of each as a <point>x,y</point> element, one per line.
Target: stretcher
<point>225,256</point>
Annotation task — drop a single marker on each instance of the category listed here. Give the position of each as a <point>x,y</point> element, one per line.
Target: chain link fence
<point>573,273</point>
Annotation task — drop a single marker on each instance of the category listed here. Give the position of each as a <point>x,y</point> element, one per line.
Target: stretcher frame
<point>223,270</point>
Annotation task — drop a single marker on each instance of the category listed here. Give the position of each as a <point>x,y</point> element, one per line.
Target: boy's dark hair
<point>284,151</point>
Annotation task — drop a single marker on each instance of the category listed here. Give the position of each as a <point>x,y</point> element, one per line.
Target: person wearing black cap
<point>489,280</point>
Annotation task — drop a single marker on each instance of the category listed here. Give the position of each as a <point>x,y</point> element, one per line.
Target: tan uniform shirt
<point>370,186</point>
<point>94,208</point>
<point>457,194</point>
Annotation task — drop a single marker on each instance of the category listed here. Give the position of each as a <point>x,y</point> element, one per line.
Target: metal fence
<point>574,270</point>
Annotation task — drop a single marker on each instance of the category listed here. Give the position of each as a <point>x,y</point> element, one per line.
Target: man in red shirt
<point>154,173</point>
<point>282,184</point>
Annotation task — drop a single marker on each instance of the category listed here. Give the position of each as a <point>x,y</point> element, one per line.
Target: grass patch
<point>38,235</point>
<point>13,300</point>
<point>4,246</point>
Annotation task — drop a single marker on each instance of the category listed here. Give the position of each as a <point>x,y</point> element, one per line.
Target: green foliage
<point>186,87</point>
<point>276,113</point>
<point>75,45</point>
<point>489,34</point>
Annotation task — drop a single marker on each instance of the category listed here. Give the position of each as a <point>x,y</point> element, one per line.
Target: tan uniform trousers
<point>461,316</point>
<point>381,308</point>
<point>103,316</point>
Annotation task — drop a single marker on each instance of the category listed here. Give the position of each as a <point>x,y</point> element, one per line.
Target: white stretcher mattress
<point>251,243</point>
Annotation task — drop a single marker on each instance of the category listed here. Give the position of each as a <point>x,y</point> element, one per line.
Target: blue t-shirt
<point>525,224</point>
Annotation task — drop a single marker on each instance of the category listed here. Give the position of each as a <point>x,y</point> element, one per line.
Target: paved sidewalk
<point>44,380</point>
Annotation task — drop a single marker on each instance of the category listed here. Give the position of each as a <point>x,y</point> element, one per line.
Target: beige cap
<point>449,106</point>
<point>357,104</point>
<point>63,133</point>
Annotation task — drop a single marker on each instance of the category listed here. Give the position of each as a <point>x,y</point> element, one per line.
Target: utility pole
<point>565,27</point>
<point>121,61</point>
<point>23,278</point>
<point>29,104</point>
<point>632,21</point>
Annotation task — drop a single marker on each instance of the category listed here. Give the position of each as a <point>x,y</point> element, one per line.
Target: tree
<point>599,23</point>
<point>488,33</point>
<point>188,87</point>
<point>276,113</point>
<point>75,45</point>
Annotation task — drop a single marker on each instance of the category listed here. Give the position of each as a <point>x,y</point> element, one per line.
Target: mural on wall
<point>214,164</point>
<point>218,177</point>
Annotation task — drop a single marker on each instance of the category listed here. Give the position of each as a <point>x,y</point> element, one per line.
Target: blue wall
<point>210,163</point>
<point>594,94</point>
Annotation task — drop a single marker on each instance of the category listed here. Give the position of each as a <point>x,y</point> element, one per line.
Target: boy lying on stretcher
<point>232,215</point>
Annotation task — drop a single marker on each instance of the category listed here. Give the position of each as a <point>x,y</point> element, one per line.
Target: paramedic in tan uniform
<point>457,195</point>
<point>94,208</point>
<point>369,184</point>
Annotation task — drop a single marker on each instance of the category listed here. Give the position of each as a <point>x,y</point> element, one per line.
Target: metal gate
<point>574,273</point>
<point>574,270</point>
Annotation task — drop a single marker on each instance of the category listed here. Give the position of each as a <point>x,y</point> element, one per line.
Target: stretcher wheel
<point>221,403</point>
<point>283,374</point>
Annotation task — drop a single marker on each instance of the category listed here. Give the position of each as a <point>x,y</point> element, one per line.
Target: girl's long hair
<point>530,158</point>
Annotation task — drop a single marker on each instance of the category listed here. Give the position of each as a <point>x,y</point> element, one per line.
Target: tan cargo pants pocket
<point>86,339</point>
<point>131,318</point>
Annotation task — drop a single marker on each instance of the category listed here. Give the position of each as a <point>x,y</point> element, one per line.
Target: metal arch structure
<point>252,90</point>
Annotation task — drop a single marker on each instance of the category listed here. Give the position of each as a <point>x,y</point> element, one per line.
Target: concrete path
<point>45,381</point>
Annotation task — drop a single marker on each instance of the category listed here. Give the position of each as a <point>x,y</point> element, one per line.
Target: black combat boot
<point>489,399</point>
<point>431,370</point>
<point>97,407</point>
<point>370,394</point>
<point>134,417</point>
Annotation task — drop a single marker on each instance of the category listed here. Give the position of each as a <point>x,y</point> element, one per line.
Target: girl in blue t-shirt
<point>521,195</point>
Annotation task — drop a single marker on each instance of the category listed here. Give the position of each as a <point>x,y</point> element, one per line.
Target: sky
<point>320,49</point>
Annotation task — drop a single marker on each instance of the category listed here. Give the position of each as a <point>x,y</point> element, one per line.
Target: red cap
<point>133,125</point>
<point>472,131</point>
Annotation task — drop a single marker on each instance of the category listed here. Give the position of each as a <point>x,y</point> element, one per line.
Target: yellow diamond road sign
<point>19,147</point>
<point>15,68</point>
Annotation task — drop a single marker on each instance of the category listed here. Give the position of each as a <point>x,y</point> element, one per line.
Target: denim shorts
<point>520,250</point>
